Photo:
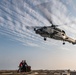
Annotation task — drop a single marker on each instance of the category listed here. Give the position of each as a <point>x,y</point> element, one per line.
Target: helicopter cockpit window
<point>40,29</point>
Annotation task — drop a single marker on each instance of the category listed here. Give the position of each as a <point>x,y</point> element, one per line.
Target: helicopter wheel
<point>63,43</point>
<point>44,39</point>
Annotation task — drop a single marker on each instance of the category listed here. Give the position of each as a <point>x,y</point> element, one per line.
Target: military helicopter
<point>52,32</point>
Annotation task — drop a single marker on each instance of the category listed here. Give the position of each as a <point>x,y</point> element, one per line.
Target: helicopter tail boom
<point>70,40</point>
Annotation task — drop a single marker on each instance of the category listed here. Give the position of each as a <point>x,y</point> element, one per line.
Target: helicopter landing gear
<point>44,39</point>
<point>63,43</point>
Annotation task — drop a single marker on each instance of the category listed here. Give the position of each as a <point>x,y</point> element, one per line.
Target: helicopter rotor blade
<point>33,27</point>
<point>45,12</point>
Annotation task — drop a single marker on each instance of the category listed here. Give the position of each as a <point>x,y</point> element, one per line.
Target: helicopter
<point>52,32</point>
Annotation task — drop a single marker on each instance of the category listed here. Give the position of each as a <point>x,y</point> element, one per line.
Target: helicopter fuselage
<point>51,32</point>
<point>54,33</point>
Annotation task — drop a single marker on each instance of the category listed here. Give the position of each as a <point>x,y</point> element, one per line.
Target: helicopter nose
<point>38,31</point>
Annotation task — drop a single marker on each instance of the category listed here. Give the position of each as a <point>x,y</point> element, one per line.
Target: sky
<point>18,43</point>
